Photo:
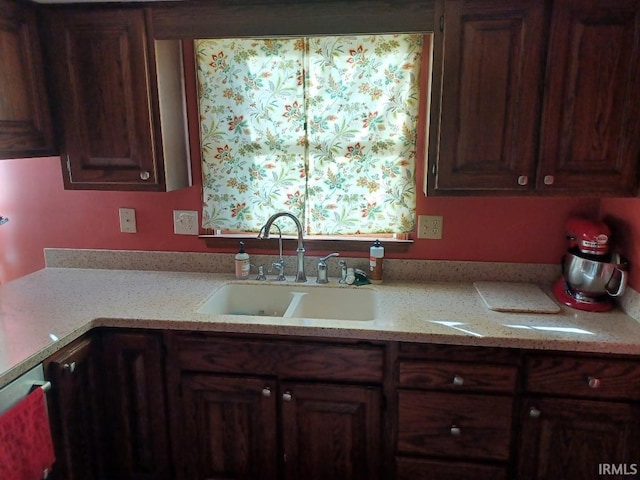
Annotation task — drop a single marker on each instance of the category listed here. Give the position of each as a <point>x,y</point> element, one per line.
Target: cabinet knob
<point>548,179</point>
<point>523,180</point>
<point>534,412</point>
<point>593,382</point>
<point>455,430</point>
<point>286,396</point>
<point>266,392</point>
<point>70,367</point>
<point>144,175</point>
<point>458,380</point>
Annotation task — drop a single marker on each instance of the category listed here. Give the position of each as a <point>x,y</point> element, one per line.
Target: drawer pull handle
<point>593,382</point>
<point>458,380</point>
<point>455,431</point>
<point>286,396</point>
<point>144,175</point>
<point>266,392</point>
<point>534,412</point>
<point>70,367</point>
<point>523,180</point>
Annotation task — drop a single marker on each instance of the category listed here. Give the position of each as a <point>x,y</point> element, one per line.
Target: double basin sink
<point>292,301</point>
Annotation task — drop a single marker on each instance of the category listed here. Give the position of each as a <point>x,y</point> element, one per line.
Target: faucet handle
<point>261,276</point>
<point>322,268</point>
<point>279,266</point>
<point>324,259</point>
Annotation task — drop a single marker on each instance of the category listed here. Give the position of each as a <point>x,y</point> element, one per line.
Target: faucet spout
<point>300,275</point>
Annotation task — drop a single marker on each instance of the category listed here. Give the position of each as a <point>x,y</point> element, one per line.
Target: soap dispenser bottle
<point>242,263</point>
<point>376,256</point>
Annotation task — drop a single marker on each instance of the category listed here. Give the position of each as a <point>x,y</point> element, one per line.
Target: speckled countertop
<point>66,302</point>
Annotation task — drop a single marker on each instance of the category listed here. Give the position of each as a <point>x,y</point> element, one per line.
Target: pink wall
<point>623,215</point>
<point>43,214</point>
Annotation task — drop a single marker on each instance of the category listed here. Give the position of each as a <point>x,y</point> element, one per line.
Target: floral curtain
<point>323,127</point>
<point>252,139</point>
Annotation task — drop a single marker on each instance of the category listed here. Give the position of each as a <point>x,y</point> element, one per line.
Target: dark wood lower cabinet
<point>135,411</point>
<point>232,426</point>
<point>108,408</point>
<point>419,469</point>
<point>148,405</point>
<point>228,428</point>
<point>567,438</point>
<point>246,409</point>
<point>331,431</point>
<point>75,406</point>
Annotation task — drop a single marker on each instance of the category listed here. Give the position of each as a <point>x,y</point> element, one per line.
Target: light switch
<point>127,220</point>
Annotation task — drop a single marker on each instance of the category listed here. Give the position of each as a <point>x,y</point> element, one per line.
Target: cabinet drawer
<point>459,353</point>
<point>454,425</point>
<point>309,361</point>
<point>417,469</point>
<point>457,376</point>
<point>596,378</point>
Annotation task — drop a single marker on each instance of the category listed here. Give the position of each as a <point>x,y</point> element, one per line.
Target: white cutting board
<point>515,297</point>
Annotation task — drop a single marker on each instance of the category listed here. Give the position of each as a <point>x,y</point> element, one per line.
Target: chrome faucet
<point>323,276</point>
<point>300,276</point>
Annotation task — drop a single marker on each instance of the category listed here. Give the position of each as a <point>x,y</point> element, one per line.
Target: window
<point>322,127</point>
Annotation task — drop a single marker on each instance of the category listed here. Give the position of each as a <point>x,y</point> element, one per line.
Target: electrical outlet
<point>185,222</point>
<point>127,220</point>
<point>430,226</point>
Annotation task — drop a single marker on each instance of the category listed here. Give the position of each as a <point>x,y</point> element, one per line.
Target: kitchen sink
<point>292,300</point>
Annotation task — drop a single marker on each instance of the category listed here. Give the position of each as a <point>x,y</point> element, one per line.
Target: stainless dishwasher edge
<point>19,388</point>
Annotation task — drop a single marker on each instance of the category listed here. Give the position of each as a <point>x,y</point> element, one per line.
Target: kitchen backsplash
<point>394,269</point>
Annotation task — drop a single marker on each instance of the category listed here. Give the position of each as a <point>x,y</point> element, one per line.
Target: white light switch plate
<point>127,220</point>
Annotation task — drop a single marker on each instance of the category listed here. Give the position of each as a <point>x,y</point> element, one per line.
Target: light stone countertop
<point>67,302</point>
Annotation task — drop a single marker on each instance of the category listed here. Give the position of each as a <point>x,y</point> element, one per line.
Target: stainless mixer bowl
<point>595,277</point>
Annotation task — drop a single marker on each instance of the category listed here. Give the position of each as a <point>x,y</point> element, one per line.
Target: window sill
<point>314,243</point>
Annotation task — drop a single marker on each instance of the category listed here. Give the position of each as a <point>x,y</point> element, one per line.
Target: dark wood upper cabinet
<point>591,122</point>
<point>490,72</point>
<point>107,76</point>
<point>25,122</point>
<point>505,123</point>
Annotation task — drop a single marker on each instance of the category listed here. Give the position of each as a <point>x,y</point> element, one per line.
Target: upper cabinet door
<point>102,81</point>
<point>591,122</point>
<point>490,72</point>
<point>25,123</point>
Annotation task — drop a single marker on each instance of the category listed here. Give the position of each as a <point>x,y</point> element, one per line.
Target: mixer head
<point>589,236</point>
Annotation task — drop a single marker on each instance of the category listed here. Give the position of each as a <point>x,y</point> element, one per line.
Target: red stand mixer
<point>591,274</point>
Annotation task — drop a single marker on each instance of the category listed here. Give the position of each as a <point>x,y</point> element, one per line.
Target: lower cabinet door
<point>229,428</point>
<point>565,439</point>
<point>417,469</point>
<point>75,411</point>
<point>331,432</point>
<point>135,407</point>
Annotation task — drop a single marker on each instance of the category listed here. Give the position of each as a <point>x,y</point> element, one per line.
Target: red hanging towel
<point>26,449</point>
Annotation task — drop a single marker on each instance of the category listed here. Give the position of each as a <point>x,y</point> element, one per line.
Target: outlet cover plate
<point>185,222</point>
<point>430,227</point>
